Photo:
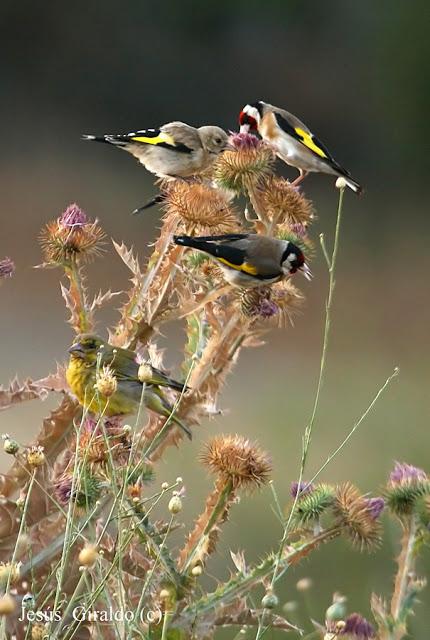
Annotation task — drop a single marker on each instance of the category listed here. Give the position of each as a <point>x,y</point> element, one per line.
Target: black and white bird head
<point>293,260</point>
<point>250,116</point>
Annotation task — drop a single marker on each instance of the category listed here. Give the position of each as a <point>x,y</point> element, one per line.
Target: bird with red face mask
<point>250,259</point>
<point>292,141</point>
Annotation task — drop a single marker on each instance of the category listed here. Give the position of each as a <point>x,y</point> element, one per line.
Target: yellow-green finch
<point>107,379</point>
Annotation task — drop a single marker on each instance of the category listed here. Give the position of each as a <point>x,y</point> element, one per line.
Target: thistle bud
<point>337,610</point>
<point>36,456</point>
<point>10,445</point>
<point>88,555</point>
<point>175,504</point>
<point>7,605</point>
<point>9,573</point>
<point>270,600</point>
<point>197,570</point>
<point>340,183</point>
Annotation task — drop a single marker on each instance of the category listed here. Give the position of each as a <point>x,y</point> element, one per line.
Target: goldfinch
<point>91,358</point>
<point>250,260</point>
<point>292,141</point>
<point>175,150</point>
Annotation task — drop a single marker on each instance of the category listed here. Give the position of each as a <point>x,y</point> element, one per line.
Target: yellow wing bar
<point>161,138</point>
<point>309,142</point>
<point>245,266</point>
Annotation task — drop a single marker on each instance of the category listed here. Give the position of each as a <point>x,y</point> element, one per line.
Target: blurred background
<point>358,74</point>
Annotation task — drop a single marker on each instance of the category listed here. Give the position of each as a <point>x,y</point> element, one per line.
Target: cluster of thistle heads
<point>83,487</point>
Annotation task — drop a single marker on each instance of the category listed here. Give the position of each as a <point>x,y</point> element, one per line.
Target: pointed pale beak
<point>306,271</point>
<point>76,349</point>
<point>244,128</point>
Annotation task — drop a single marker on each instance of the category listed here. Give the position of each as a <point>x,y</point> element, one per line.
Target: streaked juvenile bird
<point>175,150</point>
<point>90,354</point>
<point>250,260</point>
<point>292,141</point>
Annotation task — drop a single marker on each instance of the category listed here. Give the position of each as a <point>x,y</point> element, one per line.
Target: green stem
<point>405,567</point>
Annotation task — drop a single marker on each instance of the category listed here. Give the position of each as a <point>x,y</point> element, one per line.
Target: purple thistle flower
<point>404,473</point>
<point>267,308</point>
<point>299,229</point>
<point>300,489</point>
<point>244,141</point>
<point>375,507</point>
<point>63,491</point>
<point>73,217</point>
<point>358,627</point>
<point>7,267</point>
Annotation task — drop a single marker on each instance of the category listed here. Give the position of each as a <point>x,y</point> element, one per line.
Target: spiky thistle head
<point>313,503</point>
<point>106,383</point>
<point>7,268</point>
<point>357,628</point>
<point>406,486</point>
<point>278,303</point>
<point>84,492</point>
<point>199,209</point>
<point>238,460</point>
<point>356,517</point>
<point>71,236</point>
<point>242,168</point>
<point>284,203</point>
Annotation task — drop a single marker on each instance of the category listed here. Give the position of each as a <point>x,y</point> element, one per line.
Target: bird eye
<point>218,140</point>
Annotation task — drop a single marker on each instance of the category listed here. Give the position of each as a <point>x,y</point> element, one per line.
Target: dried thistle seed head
<point>238,460</point>
<point>88,555</point>
<point>10,445</point>
<point>199,209</point>
<point>284,203</point>
<point>7,605</point>
<point>357,628</point>
<point>243,168</point>
<point>353,514</point>
<point>39,631</point>
<point>70,236</point>
<point>288,300</point>
<point>406,486</point>
<point>144,373</point>
<point>256,302</point>
<point>106,382</point>
<point>310,506</point>
<point>7,268</point>
<point>36,456</point>
<point>9,573</point>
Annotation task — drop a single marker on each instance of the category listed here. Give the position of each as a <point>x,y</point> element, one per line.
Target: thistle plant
<point>89,533</point>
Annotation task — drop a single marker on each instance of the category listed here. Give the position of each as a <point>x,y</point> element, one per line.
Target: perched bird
<point>175,150</point>
<point>292,141</point>
<point>250,260</point>
<point>94,361</point>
